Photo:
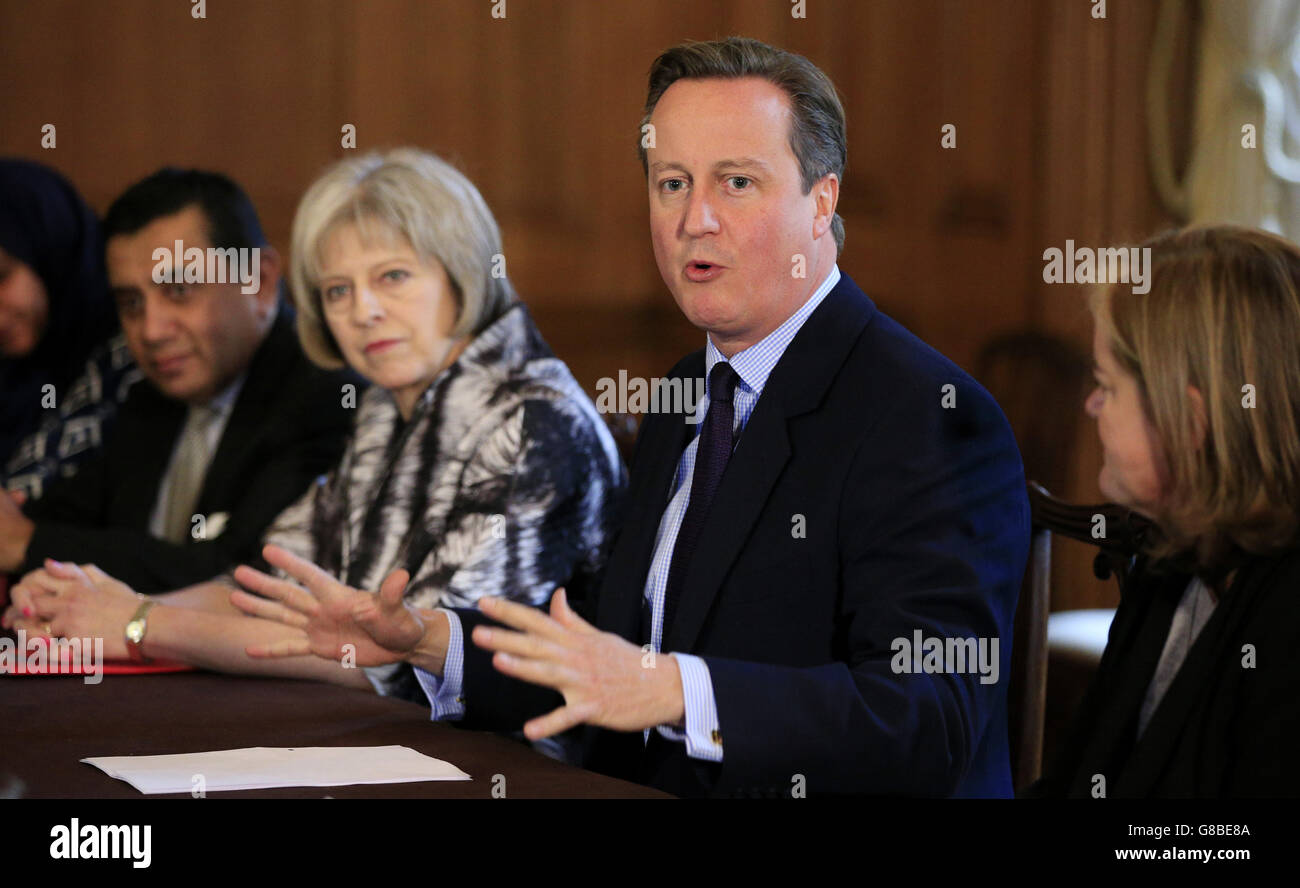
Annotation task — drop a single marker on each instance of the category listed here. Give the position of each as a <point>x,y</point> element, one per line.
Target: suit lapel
<point>751,473</point>
<point>1113,737</point>
<point>622,591</point>
<point>665,438</point>
<point>796,385</point>
<point>1153,750</point>
<point>266,373</point>
<point>152,435</point>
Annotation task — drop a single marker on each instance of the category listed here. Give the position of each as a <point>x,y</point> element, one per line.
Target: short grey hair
<point>413,194</point>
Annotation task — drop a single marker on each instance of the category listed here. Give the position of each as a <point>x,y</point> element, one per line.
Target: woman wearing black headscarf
<point>63,365</point>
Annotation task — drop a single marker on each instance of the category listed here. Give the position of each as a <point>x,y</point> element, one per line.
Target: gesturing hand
<point>380,628</point>
<point>606,680</point>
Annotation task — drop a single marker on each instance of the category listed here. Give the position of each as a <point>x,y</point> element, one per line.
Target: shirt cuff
<point>703,737</point>
<point>444,693</point>
<point>380,677</point>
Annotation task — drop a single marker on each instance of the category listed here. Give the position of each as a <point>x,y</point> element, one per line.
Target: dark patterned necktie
<point>710,462</point>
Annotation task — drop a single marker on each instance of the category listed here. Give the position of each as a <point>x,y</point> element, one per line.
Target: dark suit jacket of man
<point>1227,724</point>
<point>287,426</point>
<point>913,516</point>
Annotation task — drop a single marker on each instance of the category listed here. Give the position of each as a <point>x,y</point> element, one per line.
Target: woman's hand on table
<point>73,601</point>
<point>380,629</point>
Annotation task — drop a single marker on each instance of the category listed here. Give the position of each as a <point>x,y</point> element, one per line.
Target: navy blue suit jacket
<point>913,516</point>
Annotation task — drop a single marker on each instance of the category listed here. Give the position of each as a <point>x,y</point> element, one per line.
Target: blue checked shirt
<point>702,737</point>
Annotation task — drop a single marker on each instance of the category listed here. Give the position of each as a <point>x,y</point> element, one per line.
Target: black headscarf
<point>45,224</point>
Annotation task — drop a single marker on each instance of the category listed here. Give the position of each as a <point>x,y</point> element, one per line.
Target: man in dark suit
<point>782,610</point>
<point>233,423</point>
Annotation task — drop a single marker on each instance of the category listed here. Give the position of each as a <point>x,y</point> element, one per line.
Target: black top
<point>1227,724</point>
<point>46,225</point>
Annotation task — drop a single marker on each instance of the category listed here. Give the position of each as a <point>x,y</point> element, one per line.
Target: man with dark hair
<point>814,586</point>
<point>227,211</point>
<point>233,423</point>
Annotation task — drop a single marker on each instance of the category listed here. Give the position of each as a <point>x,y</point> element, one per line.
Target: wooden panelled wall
<point>541,110</point>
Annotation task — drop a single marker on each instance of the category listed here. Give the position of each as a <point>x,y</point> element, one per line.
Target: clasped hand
<point>72,601</point>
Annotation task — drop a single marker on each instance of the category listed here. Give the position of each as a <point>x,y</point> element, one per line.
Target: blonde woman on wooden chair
<point>1198,409</point>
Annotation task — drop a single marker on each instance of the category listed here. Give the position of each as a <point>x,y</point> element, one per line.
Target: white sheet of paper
<point>264,767</point>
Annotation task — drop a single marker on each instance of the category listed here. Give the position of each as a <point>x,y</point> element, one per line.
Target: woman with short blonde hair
<point>432,204</point>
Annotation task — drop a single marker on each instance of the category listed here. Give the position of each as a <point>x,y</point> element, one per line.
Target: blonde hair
<point>419,197</point>
<point>1223,313</point>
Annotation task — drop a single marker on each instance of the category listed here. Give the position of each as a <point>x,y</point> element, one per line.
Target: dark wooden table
<point>48,724</point>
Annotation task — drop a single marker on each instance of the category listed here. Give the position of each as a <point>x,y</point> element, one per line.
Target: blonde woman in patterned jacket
<point>477,465</point>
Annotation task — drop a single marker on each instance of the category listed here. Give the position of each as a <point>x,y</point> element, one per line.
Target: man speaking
<point>848,487</point>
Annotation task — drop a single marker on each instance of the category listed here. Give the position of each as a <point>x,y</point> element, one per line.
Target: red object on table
<point>108,667</point>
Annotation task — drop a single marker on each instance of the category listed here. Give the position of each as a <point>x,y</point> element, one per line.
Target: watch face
<point>135,631</point>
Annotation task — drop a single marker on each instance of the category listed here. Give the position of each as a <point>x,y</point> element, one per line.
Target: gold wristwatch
<point>136,629</point>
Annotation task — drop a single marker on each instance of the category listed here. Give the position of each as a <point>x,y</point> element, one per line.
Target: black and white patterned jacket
<point>505,481</point>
